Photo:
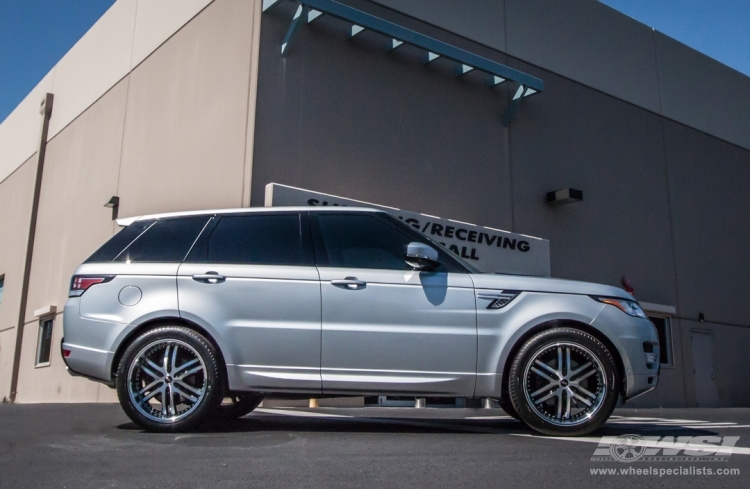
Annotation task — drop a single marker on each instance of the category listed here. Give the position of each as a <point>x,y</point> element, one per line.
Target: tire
<point>507,406</point>
<point>235,406</point>
<point>169,379</point>
<point>563,382</point>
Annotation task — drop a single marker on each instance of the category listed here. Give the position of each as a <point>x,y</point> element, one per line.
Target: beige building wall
<point>174,134</point>
<point>16,194</point>
<point>80,175</point>
<point>186,121</point>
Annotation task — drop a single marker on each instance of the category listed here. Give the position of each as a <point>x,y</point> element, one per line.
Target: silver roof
<point>127,221</point>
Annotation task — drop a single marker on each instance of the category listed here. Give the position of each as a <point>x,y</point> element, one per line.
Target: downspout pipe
<point>45,110</point>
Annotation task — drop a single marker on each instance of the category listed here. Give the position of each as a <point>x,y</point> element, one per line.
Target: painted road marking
<point>306,414</point>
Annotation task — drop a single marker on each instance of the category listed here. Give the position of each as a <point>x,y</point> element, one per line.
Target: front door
<point>251,277</point>
<point>386,327</point>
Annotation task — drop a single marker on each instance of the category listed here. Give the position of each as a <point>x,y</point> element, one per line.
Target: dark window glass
<point>44,345</point>
<point>168,240</point>
<point>362,241</point>
<point>119,242</point>
<point>2,287</point>
<point>665,347</point>
<point>257,240</point>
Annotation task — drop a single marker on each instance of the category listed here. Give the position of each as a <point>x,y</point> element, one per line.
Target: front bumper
<point>633,338</point>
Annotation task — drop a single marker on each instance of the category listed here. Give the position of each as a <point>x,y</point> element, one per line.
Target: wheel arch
<point>165,321</point>
<point>564,323</point>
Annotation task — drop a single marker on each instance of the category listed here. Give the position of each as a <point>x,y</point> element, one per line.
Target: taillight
<point>81,283</point>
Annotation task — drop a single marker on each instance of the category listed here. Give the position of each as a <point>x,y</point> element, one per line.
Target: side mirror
<point>421,256</point>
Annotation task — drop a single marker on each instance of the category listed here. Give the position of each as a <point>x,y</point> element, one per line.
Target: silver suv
<point>196,315</point>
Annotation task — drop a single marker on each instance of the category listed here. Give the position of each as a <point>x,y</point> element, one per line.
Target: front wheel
<point>563,382</point>
<point>169,379</point>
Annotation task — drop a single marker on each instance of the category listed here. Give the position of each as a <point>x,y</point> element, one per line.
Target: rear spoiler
<point>127,221</point>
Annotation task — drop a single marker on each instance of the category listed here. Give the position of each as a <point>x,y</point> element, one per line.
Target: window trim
<point>51,319</point>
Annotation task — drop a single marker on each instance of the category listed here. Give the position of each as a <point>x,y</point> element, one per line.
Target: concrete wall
<point>120,40</point>
<point>16,195</point>
<point>161,139</point>
<point>599,47</point>
<point>663,203</point>
<point>348,119</point>
<point>157,104</point>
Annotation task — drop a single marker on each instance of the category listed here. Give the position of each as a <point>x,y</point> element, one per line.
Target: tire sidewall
<point>247,402</point>
<point>543,340</point>
<point>214,379</point>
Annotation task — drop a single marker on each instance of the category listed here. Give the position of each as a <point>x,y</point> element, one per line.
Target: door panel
<point>253,280</point>
<point>267,316</point>
<point>401,332</point>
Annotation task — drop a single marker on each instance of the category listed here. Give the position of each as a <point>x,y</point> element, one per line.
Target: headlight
<point>631,308</point>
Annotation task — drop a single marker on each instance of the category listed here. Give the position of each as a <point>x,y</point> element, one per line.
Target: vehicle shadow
<point>323,424</point>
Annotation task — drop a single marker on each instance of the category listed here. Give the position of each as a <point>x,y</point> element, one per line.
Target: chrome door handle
<point>349,283</point>
<point>209,278</point>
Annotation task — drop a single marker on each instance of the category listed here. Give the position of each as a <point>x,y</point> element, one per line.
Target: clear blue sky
<point>35,34</point>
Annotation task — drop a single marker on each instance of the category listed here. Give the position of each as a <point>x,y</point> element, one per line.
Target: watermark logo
<point>636,448</point>
<point>627,448</point>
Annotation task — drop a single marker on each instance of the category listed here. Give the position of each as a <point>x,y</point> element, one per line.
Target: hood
<point>543,284</point>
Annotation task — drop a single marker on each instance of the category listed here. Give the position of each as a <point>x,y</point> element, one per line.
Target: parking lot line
<point>306,414</point>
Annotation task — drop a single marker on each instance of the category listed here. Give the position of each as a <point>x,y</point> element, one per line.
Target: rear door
<point>251,279</point>
<point>386,327</point>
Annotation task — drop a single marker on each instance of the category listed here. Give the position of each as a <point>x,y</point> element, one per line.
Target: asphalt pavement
<point>95,445</point>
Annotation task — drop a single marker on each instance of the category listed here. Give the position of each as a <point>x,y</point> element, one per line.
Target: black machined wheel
<point>169,379</point>
<point>563,382</point>
<point>236,405</point>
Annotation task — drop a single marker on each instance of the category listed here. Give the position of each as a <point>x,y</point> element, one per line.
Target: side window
<point>119,242</point>
<point>254,240</point>
<point>44,342</point>
<point>167,240</point>
<point>2,287</point>
<point>361,241</point>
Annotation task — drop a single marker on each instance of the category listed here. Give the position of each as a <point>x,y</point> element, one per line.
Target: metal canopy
<point>309,10</point>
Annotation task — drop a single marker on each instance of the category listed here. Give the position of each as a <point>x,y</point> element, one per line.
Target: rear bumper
<point>92,344</point>
<point>87,361</point>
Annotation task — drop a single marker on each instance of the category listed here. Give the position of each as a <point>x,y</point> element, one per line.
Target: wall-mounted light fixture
<point>564,196</point>
<point>114,204</point>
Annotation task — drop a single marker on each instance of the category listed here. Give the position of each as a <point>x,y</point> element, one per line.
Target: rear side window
<point>167,240</point>
<point>254,240</point>
<point>164,240</point>
<point>119,242</point>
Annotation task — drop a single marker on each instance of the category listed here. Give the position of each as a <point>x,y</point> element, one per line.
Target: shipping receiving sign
<point>489,250</point>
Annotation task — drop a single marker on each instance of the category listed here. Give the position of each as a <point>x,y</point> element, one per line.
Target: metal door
<point>395,331</point>
<point>266,311</point>
<point>706,391</point>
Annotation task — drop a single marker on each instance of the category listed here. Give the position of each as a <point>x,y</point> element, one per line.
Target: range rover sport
<point>196,315</point>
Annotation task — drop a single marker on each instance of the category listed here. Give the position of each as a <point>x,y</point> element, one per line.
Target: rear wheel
<point>235,406</point>
<point>169,379</point>
<point>563,382</point>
